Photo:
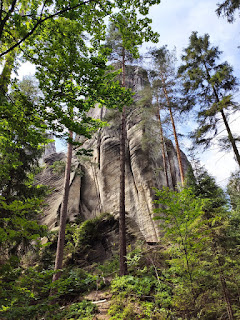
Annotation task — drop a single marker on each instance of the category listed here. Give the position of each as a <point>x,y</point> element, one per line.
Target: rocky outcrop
<point>95,180</point>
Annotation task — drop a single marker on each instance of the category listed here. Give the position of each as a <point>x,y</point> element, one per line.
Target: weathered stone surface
<point>50,148</point>
<point>95,181</point>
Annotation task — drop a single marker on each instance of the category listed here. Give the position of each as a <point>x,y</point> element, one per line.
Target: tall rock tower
<point>95,180</point>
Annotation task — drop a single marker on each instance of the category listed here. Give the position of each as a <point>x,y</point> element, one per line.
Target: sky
<point>175,20</point>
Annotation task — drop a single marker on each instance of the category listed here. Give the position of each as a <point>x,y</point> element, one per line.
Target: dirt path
<point>102,300</point>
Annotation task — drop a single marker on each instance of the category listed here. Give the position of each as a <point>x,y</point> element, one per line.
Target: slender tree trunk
<point>170,169</point>
<point>174,132</point>
<point>99,141</point>
<point>226,297</point>
<point>122,223</point>
<point>163,145</point>
<point>230,135</point>
<point>177,147</point>
<point>63,214</point>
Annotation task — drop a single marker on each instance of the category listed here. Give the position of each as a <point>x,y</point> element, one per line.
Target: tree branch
<point>40,21</point>
<point>3,22</point>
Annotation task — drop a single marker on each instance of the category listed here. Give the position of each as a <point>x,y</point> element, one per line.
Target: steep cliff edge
<point>95,180</point>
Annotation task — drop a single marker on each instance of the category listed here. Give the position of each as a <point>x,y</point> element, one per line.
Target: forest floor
<point>102,299</point>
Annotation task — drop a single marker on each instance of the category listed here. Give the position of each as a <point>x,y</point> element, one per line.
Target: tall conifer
<point>208,84</point>
<point>164,68</point>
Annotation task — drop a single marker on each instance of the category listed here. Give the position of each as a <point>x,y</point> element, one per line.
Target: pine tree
<point>219,223</point>
<point>233,190</point>
<point>125,34</point>
<point>155,88</point>
<point>209,85</point>
<point>228,9</point>
<point>164,68</point>
<point>120,56</point>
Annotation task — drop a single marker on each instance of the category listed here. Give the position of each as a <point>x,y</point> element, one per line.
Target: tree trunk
<point>171,169</point>
<point>163,145</point>
<point>177,147</point>
<point>122,223</point>
<point>226,297</point>
<point>174,132</point>
<point>63,214</point>
<point>230,136</point>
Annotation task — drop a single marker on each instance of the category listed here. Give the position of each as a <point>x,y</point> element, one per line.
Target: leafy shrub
<point>130,284</point>
<point>73,283</point>
<point>109,267</point>
<point>88,231</point>
<point>121,309</point>
<point>83,310</point>
<point>58,167</point>
<point>27,296</point>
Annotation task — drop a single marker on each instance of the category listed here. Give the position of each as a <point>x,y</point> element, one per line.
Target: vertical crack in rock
<point>95,178</point>
<point>97,190</point>
<point>130,168</point>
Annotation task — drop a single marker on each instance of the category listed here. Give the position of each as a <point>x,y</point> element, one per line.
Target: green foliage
<point>130,298</point>
<point>130,284</point>
<point>58,167</point>
<point>70,92</point>
<point>209,84</point>
<point>82,236</point>
<point>26,294</point>
<point>72,283</point>
<point>204,186</point>
<point>134,257</point>
<point>83,310</point>
<point>22,137</point>
<point>109,267</point>
<point>199,253</point>
<point>228,9</point>
<point>21,24</point>
<point>233,189</point>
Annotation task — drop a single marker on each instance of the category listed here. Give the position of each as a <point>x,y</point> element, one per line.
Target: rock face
<point>95,180</point>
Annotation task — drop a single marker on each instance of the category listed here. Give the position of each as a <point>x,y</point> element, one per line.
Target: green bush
<point>27,296</point>
<point>133,285</point>
<point>58,167</point>
<point>73,283</point>
<point>121,309</point>
<point>83,310</point>
<point>109,267</point>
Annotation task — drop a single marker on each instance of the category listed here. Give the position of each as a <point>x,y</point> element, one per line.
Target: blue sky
<point>175,20</point>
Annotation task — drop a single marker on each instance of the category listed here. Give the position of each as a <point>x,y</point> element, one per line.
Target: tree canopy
<point>208,85</point>
<point>228,9</point>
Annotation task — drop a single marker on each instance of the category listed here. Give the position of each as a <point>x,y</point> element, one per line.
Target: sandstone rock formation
<point>95,180</point>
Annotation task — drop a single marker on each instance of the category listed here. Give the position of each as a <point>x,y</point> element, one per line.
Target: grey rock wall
<point>95,180</point>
